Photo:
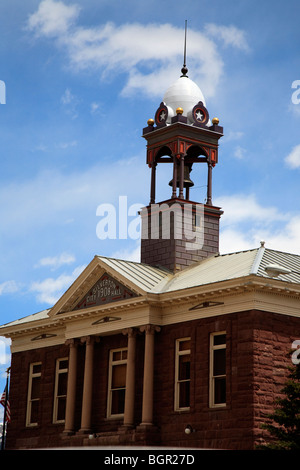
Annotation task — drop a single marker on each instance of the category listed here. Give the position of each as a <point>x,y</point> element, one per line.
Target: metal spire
<point>184,69</point>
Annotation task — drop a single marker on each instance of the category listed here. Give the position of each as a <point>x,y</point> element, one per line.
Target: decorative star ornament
<point>162,116</point>
<point>199,115</point>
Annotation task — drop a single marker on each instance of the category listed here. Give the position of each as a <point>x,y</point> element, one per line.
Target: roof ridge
<point>161,268</point>
<point>236,252</point>
<point>257,260</point>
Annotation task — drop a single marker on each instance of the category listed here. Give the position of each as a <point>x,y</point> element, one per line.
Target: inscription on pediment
<point>104,291</point>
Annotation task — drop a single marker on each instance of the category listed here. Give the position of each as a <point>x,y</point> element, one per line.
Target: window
<point>33,397</point>
<point>182,373</point>
<point>117,382</point>
<point>60,390</point>
<point>217,369</point>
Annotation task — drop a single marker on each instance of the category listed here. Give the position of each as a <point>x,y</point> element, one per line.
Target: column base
<point>84,431</point>
<point>68,433</point>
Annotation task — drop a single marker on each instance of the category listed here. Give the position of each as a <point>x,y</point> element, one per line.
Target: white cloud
<point>294,109</point>
<point>293,158</point>
<point>239,152</point>
<point>40,148</point>
<point>94,107</point>
<point>151,55</point>
<point>229,35</point>
<point>5,355</point>
<point>246,222</point>
<point>232,135</point>
<point>56,262</point>
<point>52,18</point>
<point>66,145</point>
<point>67,97</point>
<point>133,254</point>
<point>50,290</point>
<point>8,287</point>
<point>244,207</point>
<point>283,237</point>
<point>70,103</point>
<point>53,198</point>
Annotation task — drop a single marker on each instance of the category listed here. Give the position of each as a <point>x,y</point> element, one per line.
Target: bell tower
<point>179,231</point>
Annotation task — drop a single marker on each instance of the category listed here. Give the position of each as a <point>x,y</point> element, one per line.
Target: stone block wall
<point>174,249</point>
<point>257,346</point>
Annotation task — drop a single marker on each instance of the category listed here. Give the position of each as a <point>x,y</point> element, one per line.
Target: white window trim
<point>29,400</point>
<point>113,363</point>
<point>58,371</point>
<point>179,353</point>
<point>211,376</point>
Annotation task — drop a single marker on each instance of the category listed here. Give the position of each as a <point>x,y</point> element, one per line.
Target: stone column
<point>181,196</point>
<point>174,186</point>
<point>209,183</point>
<point>153,183</point>
<point>147,410</point>
<point>71,387</point>
<point>130,378</point>
<point>87,385</point>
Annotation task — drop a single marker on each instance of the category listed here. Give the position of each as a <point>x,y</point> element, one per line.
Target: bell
<point>187,182</point>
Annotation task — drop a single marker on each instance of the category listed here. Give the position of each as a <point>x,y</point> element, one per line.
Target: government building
<point>187,348</point>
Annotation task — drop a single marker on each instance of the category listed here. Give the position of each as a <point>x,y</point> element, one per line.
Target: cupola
<point>182,135</point>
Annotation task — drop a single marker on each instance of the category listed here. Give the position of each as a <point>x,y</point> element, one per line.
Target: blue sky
<point>82,78</point>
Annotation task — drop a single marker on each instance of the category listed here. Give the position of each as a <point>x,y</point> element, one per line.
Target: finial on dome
<point>184,69</point>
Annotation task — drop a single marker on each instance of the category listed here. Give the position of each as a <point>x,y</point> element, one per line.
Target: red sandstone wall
<point>272,340</point>
<point>257,347</point>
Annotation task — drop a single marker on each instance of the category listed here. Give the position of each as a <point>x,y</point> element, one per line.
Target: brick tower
<point>179,231</point>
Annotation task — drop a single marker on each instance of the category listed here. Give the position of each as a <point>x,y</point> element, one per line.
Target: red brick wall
<point>257,348</point>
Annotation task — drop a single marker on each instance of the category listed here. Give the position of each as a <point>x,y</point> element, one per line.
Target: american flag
<point>2,401</point>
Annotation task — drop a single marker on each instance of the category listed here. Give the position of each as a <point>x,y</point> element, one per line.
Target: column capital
<point>130,332</point>
<point>71,342</point>
<point>90,339</point>
<point>150,329</point>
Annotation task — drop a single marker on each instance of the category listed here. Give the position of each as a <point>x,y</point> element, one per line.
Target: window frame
<point>113,363</point>
<point>32,375</point>
<point>177,381</point>
<point>212,377</point>
<point>57,397</point>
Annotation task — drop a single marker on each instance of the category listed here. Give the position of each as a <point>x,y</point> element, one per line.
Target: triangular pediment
<point>101,282</point>
<point>105,290</point>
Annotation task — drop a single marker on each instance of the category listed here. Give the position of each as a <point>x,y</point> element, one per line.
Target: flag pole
<point>5,409</point>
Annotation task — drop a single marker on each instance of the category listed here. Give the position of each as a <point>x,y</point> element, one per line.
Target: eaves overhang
<point>228,287</point>
<point>193,295</point>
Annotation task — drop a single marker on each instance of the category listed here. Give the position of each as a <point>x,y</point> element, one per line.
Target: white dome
<point>185,94</point>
